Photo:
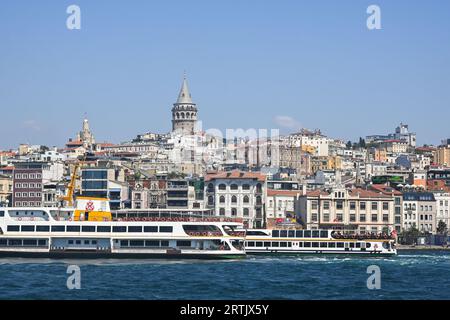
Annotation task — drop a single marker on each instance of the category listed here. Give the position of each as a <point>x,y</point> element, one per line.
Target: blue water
<point>410,275</point>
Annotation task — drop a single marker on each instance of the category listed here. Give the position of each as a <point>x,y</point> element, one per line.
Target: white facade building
<point>442,208</point>
<point>238,195</point>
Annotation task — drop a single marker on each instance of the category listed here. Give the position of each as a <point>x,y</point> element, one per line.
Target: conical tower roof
<point>185,95</point>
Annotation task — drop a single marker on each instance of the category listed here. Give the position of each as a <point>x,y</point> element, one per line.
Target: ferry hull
<point>105,255</point>
<point>315,253</point>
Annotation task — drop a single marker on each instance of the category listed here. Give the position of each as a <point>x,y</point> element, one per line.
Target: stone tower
<point>184,112</point>
<point>86,135</point>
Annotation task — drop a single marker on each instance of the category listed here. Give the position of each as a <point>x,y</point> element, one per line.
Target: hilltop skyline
<point>249,66</point>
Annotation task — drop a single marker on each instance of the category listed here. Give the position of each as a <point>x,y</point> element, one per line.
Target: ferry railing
<point>365,236</point>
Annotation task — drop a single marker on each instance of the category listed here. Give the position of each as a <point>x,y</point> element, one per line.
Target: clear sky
<point>250,64</point>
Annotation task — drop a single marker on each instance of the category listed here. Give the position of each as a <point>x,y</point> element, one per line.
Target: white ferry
<point>292,241</point>
<point>89,231</point>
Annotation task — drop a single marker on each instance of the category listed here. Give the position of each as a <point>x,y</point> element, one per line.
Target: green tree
<point>410,236</point>
<point>349,144</point>
<point>442,228</point>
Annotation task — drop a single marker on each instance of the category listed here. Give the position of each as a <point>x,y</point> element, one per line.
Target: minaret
<point>184,112</point>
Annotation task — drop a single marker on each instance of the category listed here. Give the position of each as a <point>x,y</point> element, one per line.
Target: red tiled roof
<point>362,193</point>
<point>236,174</point>
<point>367,194</point>
<point>106,144</point>
<point>73,143</point>
<point>317,193</point>
<point>385,189</point>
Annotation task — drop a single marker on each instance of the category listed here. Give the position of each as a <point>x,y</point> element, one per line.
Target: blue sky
<point>250,64</point>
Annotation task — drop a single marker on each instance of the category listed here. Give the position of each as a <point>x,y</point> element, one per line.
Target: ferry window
<point>29,242</point>
<point>58,228</point>
<point>340,245</point>
<point>315,234</point>
<point>324,234</point>
<point>119,229</point>
<point>27,228</point>
<point>94,242</point>
<point>103,229</point>
<point>73,228</point>
<point>307,234</point>
<point>275,244</point>
<point>315,244</point>
<point>307,244</point>
<point>13,228</point>
<point>300,244</point>
<point>134,229</point>
<point>124,243</point>
<point>150,229</point>
<point>166,229</point>
<point>352,244</point>
<point>256,233</point>
<point>42,242</point>
<point>283,234</point>
<point>78,242</point>
<point>251,244</point>
<point>164,243</point>
<point>3,242</point>
<point>299,234</point>
<point>259,244</point>
<point>266,244</point>
<point>183,243</point>
<point>323,244</point>
<point>291,234</point>
<point>42,228</point>
<point>88,229</point>
<point>283,244</point>
<point>276,233</point>
<point>358,245</point>
<point>290,244</point>
<point>2,213</point>
<point>152,243</point>
<point>86,241</point>
<point>15,242</point>
<point>368,245</point>
<point>70,241</point>
<point>331,245</point>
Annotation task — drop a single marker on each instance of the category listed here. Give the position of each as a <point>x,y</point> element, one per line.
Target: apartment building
<point>419,210</point>
<point>237,194</point>
<point>352,210</point>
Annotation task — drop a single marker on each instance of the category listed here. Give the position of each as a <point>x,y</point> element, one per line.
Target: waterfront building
<point>419,210</point>
<point>237,194</point>
<point>442,208</point>
<point>352,210</point>
<point>398,203</point>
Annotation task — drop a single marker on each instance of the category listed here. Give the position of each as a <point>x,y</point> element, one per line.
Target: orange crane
<point>71,188</point>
